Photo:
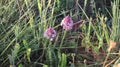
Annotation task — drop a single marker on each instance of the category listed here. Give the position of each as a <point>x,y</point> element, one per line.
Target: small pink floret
<point>50,33</point>
<point>67,23</point>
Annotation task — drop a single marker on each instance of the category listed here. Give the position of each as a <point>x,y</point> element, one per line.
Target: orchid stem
<point>62,40</point>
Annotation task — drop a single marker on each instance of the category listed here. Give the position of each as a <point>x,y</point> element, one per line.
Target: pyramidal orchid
<point>50,33</point>
<point>67,23</point>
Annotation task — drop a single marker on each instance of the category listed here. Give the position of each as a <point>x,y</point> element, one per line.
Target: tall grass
<point>23,22</point>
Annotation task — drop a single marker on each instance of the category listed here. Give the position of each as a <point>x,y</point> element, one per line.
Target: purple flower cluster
<point>67,24</point>
<point>50,33</point>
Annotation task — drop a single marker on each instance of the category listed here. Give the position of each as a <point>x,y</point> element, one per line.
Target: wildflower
<point>50,33</point>
<point>67,23</point>
<point>117,65</point>
<point>112,45</point>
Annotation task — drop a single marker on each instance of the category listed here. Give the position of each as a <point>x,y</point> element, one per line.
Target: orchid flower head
<point>50,33</point>
<point>67,23</point>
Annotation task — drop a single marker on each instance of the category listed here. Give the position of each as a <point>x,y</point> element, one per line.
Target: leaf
<point>64,60</point>
<point>45,65</point>
<point>13,56</point>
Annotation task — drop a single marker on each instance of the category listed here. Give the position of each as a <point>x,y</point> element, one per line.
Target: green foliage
<point>63,60</point>
<point>14,54</point>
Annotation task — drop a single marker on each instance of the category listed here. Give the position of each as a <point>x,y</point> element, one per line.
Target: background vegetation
<point>23,22</point>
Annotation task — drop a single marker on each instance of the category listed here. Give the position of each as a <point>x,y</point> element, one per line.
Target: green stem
<point>50,54</point>
<point>62,40</point>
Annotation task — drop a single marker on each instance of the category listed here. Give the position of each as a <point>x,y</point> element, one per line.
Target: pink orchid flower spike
<point>50,33</point>
<point>67,23</point>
